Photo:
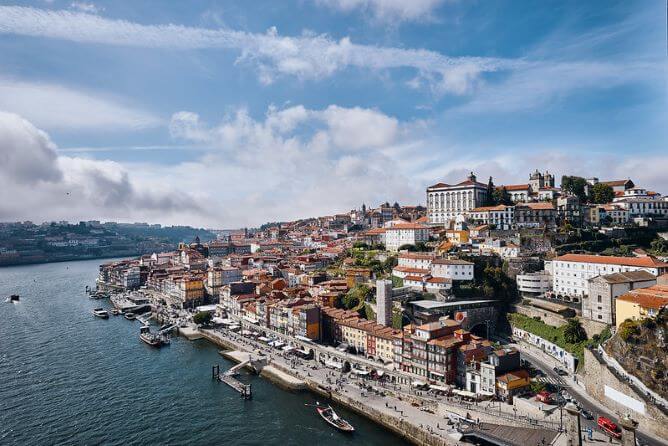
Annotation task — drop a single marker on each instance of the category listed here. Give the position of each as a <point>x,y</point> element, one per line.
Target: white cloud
<point>56,107</point>
<point>38,184</point>
<point>307,56</point>
<point>90,8</point>
<point>391,11</point>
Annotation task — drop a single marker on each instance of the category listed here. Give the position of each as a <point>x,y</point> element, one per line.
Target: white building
<point>571,272</point>
<point>415,260</point>
<point>453,269</point>
<point>445,202</point>
<point>501,216</point>
<point>405,234</point>
<point>534,284</point>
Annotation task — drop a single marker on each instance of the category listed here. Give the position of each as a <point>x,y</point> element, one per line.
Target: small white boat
<point>101,313</point>
<point>130,316</point>
<point>333,419</point>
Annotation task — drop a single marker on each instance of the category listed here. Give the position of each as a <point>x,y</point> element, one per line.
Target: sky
<point>234,113</point>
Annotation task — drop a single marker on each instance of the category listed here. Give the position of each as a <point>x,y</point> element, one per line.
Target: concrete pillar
<point>628,426</point>
<point>384,302</point>
<point>573,426</point>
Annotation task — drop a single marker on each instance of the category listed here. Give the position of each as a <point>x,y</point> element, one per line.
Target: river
<point>69,378</point>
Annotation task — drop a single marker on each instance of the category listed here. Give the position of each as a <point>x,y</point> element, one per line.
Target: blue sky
<point>234,113</point>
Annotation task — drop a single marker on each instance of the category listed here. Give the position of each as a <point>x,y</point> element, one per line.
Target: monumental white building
<point>571,272</point>
<point>445,201</point>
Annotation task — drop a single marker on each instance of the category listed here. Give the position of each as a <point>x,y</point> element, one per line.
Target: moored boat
<point>14,298</point>
<point>333,419</point>
<point>115,311</point>
<point>154,340</point>
<point>101,313</point>
<point>130,316</point>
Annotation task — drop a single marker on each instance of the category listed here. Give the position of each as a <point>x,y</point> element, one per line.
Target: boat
<point>115,311</point>
<point>101,313</point>
<point>130,316</point>
<point>152,339</point>
<point>14,298</point>
<point>332,418</point>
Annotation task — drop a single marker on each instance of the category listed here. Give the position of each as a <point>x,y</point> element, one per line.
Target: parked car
<point>587,415</point>
<point>559,371</point>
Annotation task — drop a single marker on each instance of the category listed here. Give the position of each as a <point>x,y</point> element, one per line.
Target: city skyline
<point>235,115</point>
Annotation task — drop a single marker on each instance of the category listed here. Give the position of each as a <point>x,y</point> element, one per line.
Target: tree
<point>396,206</point>
<point>574,333</point>
<point>355,296</point>
<point>601,194</point>
<point>501,196</point>
<point>489,199</point>
<point>202,318</point>
<point>575,186</point>
<point>659,247</point>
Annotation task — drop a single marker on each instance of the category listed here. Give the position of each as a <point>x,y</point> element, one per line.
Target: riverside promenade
<point>412,415</point>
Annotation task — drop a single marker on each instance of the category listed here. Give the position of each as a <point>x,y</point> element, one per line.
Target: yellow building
<point>641,303</point>
<point>512,383</point>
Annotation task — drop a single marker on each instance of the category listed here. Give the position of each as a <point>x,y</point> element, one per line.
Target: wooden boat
<point>101,313</point>
<point>115,311</point>
<point>154,340</point>
<point>130,316</point>
<point>332,418</point>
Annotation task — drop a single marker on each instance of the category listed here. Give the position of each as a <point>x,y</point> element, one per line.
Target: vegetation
<point>575,186</point>
<point>659,247</point>
<point>418,247</point>
<point>397,282</point>
<point>490,281</point>
<point>556,335</point>
<point>573,332</point>
<point>356,296</point>
<point>202,318</point>
<point>601,193</point>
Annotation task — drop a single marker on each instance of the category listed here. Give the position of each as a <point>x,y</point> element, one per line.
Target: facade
<point>641,303</point>
<point>453,269</point>
<point>600,303</point>
<point>534,284</point>
<point>384,302</point>
<point>501,216</point>
<point>535,215</point>
<point>405,234</point>
<point>571,272</point>
<point>446,202</point>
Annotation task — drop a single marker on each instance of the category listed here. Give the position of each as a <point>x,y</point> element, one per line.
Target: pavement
<point>545,363</point>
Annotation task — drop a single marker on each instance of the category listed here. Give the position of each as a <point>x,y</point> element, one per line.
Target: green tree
<point>501,196</point>
<point>575,186</point>
<point>202,318</point>
<point>489,198</point>
<point>573,332</point>
<point>601,193</point>
<point>355,296</point>
<point>659,247</point>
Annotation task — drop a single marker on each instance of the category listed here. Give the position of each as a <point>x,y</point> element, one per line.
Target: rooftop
<point>647,262</point>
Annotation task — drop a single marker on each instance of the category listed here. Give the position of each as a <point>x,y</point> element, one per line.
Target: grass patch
<point>549,333</point>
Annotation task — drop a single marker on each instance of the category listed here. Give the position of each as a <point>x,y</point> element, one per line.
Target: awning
<point>360,372</point>
<point>417,383</point>
<point>288,348</point>
<point>334,365</point>
<point>438,374</point>
<point>464,393</point>
<point>379,373</point>
<point>439,388</point>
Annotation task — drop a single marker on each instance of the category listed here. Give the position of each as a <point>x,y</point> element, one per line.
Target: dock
<point>229,378</point>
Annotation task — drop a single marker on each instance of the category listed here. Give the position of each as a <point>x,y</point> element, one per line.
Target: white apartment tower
<point>384,302</point>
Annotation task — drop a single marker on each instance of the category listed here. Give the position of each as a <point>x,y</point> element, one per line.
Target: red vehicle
<point>608,427</point>
<point>544,397</point>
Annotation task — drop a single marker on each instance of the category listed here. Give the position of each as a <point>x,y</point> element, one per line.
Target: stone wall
<point>591,327</point>
<point>597,375</point>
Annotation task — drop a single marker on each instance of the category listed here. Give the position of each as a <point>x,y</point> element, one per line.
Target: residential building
<point>600,303</point>
<point>641,303</point>
<point>512,383</point>
<point>453,269</point>
<point>445,202</point>
<point>535,215</point>
<point>534,284</point>
<point>571,272</point>
<point>501,216</point>
<point>405,234</point>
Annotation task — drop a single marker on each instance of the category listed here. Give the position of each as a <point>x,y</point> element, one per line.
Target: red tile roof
<point>644,262</point>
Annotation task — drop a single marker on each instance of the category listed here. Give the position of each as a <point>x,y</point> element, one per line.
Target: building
<point>405,234</point>
<point>384,302</point>
<point>446,202</point>
<point>641,303</point>
<point>501,216</point>
<point>600,303</point>
<point>512,383</point>
<point>453,269</point>
<point>534,284</point>
<point>571,272</point>
<point>535,215</point>
<point>540,181</point>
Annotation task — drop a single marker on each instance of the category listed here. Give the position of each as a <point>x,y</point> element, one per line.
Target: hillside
<point>640,347</point>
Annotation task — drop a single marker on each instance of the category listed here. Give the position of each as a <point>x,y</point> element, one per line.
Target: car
<point>559,371</point>
<point>587,415</point>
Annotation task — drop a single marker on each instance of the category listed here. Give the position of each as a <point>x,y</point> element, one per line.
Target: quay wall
<point>402,428</point>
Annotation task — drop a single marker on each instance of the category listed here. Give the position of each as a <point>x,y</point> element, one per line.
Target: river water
<point>67,377</point>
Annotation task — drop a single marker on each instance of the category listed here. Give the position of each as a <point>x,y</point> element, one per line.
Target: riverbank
<point>393,417</point>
